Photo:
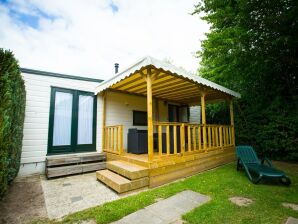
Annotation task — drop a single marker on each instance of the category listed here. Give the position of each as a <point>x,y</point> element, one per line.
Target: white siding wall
<point>195,114</point>
<point>35,140</point>
<point>119,110</point>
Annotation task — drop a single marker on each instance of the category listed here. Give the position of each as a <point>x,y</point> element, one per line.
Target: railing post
<point>121,140</point>
<point>220,136</point>
<point>168,139</point>
<point>204,121</point>
<point>159,140</point>
<point>182,138</point>
<point>175,138</point>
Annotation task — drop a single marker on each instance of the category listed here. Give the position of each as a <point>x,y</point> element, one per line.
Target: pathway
<point>166,211</point>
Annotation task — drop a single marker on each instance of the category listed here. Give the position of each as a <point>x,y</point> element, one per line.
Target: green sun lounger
<point>255,169</point>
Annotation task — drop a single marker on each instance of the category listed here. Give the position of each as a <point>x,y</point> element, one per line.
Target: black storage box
<point>137,141</point>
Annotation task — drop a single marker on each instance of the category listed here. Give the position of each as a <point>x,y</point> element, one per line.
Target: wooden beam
<point>104,94</point>
<point>149,115</point>
<point>204,121</point>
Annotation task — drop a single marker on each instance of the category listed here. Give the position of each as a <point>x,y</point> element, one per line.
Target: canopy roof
<point>170,83</point>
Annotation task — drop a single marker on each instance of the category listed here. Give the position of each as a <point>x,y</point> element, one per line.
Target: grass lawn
<point>220,184</point>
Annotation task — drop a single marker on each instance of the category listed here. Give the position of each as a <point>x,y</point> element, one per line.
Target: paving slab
<point>74,193</point>
<point>292,220</point>
<point>168,210</point>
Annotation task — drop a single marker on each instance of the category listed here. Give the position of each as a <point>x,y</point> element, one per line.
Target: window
<point>72,122</point>
<point>139,118</point>
<point>178,113</point>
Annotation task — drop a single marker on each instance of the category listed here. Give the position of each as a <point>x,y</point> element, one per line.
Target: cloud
<point>87,37</point>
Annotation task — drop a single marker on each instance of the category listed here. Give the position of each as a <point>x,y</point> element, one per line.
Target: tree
<point>12,113</point>
<point>252,48</point>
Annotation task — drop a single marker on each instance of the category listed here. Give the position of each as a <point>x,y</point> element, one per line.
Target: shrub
<point>12,113</point>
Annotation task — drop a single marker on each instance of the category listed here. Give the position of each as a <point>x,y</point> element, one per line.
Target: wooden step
<point>57,160</point>
<point>126,169</point>
<point>120,183</point>
<point>74,169</point>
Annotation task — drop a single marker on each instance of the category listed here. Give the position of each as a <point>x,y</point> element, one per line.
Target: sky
<point>87,37</point>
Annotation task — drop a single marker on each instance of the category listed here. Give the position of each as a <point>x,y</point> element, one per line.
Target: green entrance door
<point>72,124</point>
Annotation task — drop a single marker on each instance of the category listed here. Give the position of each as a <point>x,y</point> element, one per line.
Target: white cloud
<point>87,37</point>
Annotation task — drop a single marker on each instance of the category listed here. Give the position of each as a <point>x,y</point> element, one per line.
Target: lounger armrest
<point>268,161</point>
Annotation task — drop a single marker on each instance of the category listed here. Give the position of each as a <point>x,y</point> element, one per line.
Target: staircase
<point>63,165</point>
<point>123,176</point>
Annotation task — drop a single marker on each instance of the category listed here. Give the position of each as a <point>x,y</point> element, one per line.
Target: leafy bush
<point>12,113</point>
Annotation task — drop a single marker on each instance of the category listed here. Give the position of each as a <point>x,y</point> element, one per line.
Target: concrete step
<point>119,183</point>
<point>126,169</point>
<point>74,169</point>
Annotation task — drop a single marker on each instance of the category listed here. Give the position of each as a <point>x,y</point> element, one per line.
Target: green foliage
<point>253,48</point>
<point>12,113</point>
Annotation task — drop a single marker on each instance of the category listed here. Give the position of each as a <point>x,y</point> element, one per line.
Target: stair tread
<point>120,183</point>
<point>116,178</point>
<point>128,166</point>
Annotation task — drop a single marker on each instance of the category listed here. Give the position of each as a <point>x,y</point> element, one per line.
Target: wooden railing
<point>182,138</point>
<point>113,139</point>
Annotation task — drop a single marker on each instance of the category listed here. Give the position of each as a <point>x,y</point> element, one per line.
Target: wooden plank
<point>163,175</point>
<point>194,138</point>
<point>74,169</point>
<point>213,136</point>
<point>168,139</point>
<point>121,140</point>
<point>159,140</point>
<point>220,137</point>
<point>188,138</point>
<point>216,136</point>
<point>182,138</point>
<point>175,139</point>
<point>199,137</point>
<point>117,138</point>
<point>112,138</point>
<point>73,159</point>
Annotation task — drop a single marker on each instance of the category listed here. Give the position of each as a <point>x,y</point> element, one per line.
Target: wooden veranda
<point>197,147</point>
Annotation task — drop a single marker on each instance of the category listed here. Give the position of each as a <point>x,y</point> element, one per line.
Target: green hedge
<point>12,113</point>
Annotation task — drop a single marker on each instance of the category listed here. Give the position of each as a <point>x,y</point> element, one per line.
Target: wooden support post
<point>232,121</point>
<point>104,95</point>
<point>149,115</point>
<point>204,121</point>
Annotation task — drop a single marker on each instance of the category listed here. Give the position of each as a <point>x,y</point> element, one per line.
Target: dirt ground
<point>24,202</point>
